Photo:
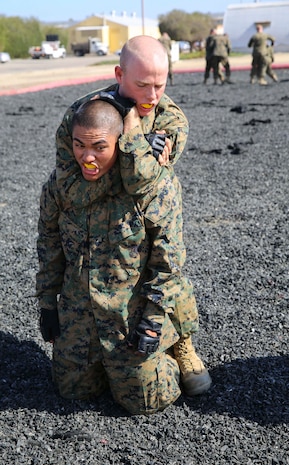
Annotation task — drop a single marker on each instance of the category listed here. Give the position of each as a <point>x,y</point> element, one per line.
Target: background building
<point>240,23</point>
<point>112,30</point>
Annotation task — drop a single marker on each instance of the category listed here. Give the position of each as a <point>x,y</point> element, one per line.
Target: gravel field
<point>235,181</point>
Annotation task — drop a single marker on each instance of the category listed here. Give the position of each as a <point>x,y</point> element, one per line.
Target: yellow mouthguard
<point>146,105</point>
<point>89,166</point>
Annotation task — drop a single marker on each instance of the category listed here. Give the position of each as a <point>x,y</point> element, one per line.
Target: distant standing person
<point>220,52</point>
<point>269,58</point>
<point>225,61</point>
<point>167,43</point>
<point>259,42</point>
<point>210,43</point>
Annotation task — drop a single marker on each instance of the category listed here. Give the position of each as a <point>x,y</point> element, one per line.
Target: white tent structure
<point>240,23</point>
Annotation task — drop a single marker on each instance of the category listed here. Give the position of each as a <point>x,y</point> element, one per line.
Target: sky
<point>64,10</point>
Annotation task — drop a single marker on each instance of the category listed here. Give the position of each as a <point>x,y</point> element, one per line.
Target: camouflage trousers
<point>216,63</point>
<point>259,66</point>
<point>146,388</point>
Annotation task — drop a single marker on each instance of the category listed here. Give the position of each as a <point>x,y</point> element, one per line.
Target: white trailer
<point>48,49</point>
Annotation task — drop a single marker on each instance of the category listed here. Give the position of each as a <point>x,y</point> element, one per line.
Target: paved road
<point>20,76</point>
<point>27,65</point>
<point>28,73</point>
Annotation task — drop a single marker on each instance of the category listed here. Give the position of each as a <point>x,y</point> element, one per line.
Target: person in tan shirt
<point>259,43</point>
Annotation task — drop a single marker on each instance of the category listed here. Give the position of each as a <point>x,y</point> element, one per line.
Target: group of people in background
<point>218,48</point>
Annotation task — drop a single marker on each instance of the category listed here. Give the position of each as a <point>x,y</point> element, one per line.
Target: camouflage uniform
<point>269,57</point>
<point>139,171</point>
<point>225,61</point>
<point>113,258</point>
<point>259,43</point>
<point>220,56</point>
<point>106,261</point>
<point>210,42</point>
<point>140,174</point>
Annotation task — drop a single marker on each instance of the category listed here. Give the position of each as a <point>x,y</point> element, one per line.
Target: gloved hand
<point>146,343</point>
<point>157,143</point>
<point>122,104</point>
<point>49,324</point>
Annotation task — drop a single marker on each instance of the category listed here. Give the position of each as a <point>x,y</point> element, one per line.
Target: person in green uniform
<point>259,43</point>
<point>220,52</point>
<point>141,75</point>
<point>165,40</point>
<point>225,60</point>
<point>209,47</point>
<point>269,59</point>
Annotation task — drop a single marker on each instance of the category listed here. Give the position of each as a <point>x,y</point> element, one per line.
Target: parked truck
<point>92,45</point>
<point>49,48</point>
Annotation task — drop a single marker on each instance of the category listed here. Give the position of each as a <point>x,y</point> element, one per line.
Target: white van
<point>4,57</point>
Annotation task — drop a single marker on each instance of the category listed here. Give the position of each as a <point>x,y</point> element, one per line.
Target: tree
<point>17,35</point>
<point>192,27</point>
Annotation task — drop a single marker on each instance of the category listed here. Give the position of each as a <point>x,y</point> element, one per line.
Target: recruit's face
<point>143,82</point>
<point>95,151</point>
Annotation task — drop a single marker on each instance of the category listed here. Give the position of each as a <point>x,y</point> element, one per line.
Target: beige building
<point>112,30</point>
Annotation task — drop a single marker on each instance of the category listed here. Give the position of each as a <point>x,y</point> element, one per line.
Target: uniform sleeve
<point>229,46</point>
<point>50,254</point>
<point>164,226</point>
<point>140,170</point>
<point>272,39</point>
<point>171,118</point>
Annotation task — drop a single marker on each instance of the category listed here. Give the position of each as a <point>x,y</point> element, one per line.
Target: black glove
<point>146,344</point>
<point>122,104</point>
<point>157,143</point>
<point>49,324</point>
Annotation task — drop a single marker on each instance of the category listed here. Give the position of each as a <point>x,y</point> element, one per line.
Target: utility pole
<point>142,15</point>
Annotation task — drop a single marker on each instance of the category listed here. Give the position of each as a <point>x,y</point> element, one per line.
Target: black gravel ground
<point>236,189</point>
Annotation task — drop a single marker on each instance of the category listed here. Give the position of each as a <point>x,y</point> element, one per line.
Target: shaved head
<point>98,114</point>
<point>143,49</point>
<point>143,71</point>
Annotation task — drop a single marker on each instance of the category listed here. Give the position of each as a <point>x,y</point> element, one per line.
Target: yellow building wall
<point>118,35</point>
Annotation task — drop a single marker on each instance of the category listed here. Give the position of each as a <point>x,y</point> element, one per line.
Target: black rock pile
<point>235,177</point>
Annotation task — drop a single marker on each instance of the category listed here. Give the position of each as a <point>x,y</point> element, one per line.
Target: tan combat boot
<point>195,377</point>
<point>274,77</point>
<point>262,82</point>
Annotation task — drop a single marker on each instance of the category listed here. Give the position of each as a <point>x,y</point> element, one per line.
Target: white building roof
<point>256,5</point>
<point>129,20</point>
